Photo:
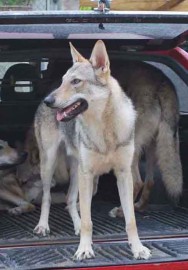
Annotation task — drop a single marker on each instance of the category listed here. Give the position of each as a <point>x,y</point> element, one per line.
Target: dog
<point>156,130</point>
<point>90,115</point>
<point>20,182</point>
<point>28,173</point>
<point>9,157</point>
<point>10,191</point>
<point>156,102</point>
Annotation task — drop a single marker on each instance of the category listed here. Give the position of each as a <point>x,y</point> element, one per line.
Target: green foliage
<point>85,8</point>
<point>14,2</point>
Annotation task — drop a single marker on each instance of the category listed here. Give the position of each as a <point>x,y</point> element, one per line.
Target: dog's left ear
<point>76,56</point>
<point>99,57</point>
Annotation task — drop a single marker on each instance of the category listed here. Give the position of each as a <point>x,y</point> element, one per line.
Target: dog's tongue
<point>60,115</point>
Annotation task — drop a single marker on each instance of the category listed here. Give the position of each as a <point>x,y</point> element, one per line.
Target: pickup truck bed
<point>163,229</point>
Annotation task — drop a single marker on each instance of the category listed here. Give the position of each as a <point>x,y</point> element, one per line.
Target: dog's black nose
<point>49,100</point>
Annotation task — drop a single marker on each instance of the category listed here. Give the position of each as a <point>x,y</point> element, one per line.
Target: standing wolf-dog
<point>100,137</point>
<point>156,130</point>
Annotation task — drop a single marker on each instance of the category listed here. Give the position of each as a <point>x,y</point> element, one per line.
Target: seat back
<point>19,83</point>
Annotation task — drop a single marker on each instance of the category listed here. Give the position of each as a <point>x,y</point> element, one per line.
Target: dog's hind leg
<point>47,167</point>
<point>149,182</point>
<point>72,195</point>
<point>138,184</point>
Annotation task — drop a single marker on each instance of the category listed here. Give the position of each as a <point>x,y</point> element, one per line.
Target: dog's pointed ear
<point>99,57</point>
<point>76,56</point>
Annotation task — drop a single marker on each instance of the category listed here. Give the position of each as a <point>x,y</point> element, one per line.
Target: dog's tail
<point>167,147</point>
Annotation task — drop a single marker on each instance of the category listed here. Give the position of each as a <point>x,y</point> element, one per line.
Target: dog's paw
<point>84,252</point>
<point>21,209</point>
<point>42,230</point>
<point>141,252</point>
<point>116,212</point>
<point>140,206</point>
<point>15,211</point>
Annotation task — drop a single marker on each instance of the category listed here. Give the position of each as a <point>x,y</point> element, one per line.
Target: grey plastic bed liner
<point>158,222</point>
<point>107,254</point>
<point>164,230</point>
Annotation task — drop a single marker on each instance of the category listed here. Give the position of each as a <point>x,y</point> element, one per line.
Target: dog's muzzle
<point>72,110</point>
<point>22,157</point>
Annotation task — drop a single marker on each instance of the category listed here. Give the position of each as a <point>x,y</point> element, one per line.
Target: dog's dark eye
<point>76,81</point>
<point>1,147</point>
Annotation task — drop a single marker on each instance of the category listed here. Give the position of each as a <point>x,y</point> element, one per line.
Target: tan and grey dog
<point>10,190</point>
<point>99,138</point>
<point>156,130</point>
<point>9,157</point>
<point>20,183</point>
<point>28,173</point>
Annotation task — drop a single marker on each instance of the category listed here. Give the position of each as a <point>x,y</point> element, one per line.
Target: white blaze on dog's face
<point>78,90</point>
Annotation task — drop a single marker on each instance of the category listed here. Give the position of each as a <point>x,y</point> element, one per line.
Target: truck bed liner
<point>157,222</point>
<point>163,228</point>
<point>113,253</point>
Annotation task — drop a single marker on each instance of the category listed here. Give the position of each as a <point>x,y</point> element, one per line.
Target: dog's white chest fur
<point>99,163</point>
<point>103,163</point>
<point>101,144</point>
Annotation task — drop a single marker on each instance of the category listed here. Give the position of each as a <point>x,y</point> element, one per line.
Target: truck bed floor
<point>163,229</point>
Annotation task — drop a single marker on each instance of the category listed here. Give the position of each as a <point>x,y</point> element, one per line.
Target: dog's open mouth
<point>71,111</point>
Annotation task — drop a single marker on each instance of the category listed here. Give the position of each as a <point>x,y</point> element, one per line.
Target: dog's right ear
<point>76,56</point>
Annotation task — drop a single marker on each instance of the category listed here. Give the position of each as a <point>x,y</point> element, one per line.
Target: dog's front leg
<point>125,188</point>
<point>72,195</point>
<point>47,167</point>
<point>85,195</point>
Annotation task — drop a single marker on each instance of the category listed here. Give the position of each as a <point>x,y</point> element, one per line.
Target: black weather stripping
<point>58,17</point>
